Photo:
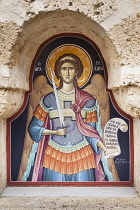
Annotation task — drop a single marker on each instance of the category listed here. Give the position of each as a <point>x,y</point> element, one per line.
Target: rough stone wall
<point>113,25</point>
<point>136,154</point>
<point>3,169</point>
<point>70,203</point>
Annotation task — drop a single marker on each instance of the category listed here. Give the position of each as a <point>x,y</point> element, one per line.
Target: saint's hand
<point>61,132</point>
<point>101,145</point>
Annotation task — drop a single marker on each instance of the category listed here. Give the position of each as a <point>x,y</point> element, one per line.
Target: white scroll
<point>110,136</point>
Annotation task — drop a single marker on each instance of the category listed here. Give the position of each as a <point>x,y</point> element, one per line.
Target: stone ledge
<point>82,198</point>
<point>70,192</point>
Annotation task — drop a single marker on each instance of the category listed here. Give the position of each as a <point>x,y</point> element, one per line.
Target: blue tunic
<point>71,141</point>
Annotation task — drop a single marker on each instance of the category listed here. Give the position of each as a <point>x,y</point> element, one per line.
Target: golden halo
<point>76,50</point>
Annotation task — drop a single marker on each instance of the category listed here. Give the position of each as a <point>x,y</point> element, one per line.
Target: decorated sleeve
<point>35,127</point>
<point>41,112</point>
<point>91,111</point>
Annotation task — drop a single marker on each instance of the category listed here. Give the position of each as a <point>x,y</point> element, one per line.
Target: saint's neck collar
<point>68,93</point>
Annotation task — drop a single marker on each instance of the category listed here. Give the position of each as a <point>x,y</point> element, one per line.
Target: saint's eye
<point>71,68</point>
<point>64,68</point>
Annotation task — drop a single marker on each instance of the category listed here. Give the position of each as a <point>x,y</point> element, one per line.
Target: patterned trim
<point>40,113</point>
<point>91,117</point>
<point>68,149</point>
<point>66,97</point>
<point>69,163</point>
<point>42,106</point>
<point>91,110</point>
<point>66,113</point>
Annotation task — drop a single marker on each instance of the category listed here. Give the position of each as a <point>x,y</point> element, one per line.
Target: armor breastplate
<point>73,136</point>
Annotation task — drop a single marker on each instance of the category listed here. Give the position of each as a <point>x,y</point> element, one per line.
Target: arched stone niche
<point>33,33</point>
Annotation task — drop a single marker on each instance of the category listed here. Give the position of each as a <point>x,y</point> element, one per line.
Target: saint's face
<point>67,72</point>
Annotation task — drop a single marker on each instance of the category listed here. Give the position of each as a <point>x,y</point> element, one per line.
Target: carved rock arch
<point>43,26</point>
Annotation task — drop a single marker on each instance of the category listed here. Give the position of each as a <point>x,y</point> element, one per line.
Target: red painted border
<point>80,184</point>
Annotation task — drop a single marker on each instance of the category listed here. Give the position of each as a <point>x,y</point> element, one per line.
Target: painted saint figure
<point>71,153</point>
